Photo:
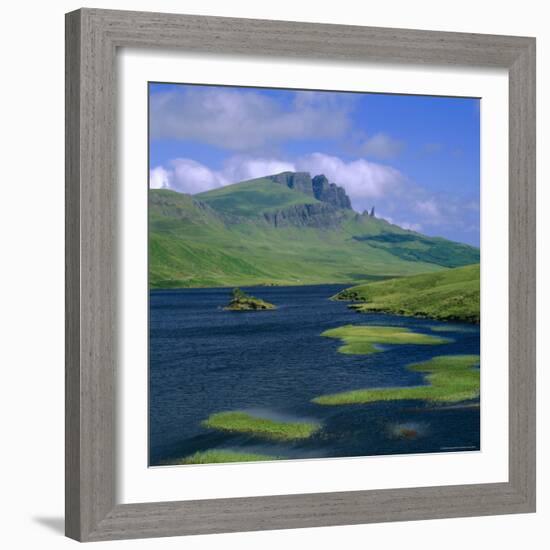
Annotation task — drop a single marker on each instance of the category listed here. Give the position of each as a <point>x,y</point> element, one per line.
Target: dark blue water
<point>272,363</point>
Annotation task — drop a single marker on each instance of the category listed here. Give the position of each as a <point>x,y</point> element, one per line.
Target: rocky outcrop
<point>241,301</point>
<point>318,187</point>
<point>329,192</point>
<point>367,214</point>
<point>323,216</point>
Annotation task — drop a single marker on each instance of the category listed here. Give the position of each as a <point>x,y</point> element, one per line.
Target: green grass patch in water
<point>362,339</point>
<point>241,422</point>
<point>449,379</point>
<point>216,456</point>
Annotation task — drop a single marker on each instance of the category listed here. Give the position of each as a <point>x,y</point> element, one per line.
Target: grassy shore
<point>215,456</point>
<point>449,379</point>
<point>240,422</point>
<point>362,339</point>
<point>448,295</point>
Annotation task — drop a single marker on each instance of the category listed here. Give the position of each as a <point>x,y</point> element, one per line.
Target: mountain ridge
<point>274,230</point>
<point>318,186</point>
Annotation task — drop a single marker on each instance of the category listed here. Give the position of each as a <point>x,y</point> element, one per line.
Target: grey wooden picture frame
<point>92,39</point>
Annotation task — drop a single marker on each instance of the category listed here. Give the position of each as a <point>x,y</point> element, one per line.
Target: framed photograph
<point>300,275</point>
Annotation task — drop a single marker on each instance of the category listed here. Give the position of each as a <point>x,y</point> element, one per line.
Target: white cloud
<point>429,207</point>
<point>382,146</point>
<point>431,211</point>
<point>411,226</point>
<point>246,120</point>
<point>245,168</point>
<point>186,176</point>
<point>191,177</point>
<point>363,181</point>
<point>159,178</point>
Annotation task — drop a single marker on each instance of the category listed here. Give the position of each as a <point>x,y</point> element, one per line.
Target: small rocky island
<point>241,301</point>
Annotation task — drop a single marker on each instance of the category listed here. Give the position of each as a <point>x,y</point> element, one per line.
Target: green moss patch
<point>362,339</point>
<point>449,379</point>
<point>241,422</point>
<point>215,456</point>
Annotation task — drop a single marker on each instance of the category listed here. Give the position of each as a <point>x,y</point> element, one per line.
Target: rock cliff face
<point>329,192</point>
<point>318,187</point>
<point>322,216</point>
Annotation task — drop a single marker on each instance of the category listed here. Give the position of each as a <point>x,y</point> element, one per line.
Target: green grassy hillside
<point>260,232</point>
<point>412,246</point>
<point>249,198</point>
<point>452,294</point>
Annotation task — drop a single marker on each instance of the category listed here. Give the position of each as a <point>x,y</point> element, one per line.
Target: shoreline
<point>411,316</point>
<point>231,287</point>
<point>347,302</point>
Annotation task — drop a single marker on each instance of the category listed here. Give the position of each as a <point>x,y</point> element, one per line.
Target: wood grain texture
<point>92,37</point>
<point>90,278</point>
<point>522,274</point>
<point>72,277</point>
<point>254,37</point>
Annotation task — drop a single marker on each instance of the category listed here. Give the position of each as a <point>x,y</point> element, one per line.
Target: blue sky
<point>415,158</point>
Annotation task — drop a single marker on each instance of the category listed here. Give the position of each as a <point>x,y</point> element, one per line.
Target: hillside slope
<point>452,294</point>
<point>275,230</point>
<point>249,198</point>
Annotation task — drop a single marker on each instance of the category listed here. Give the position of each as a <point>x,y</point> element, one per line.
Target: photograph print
<point>314,274</point>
